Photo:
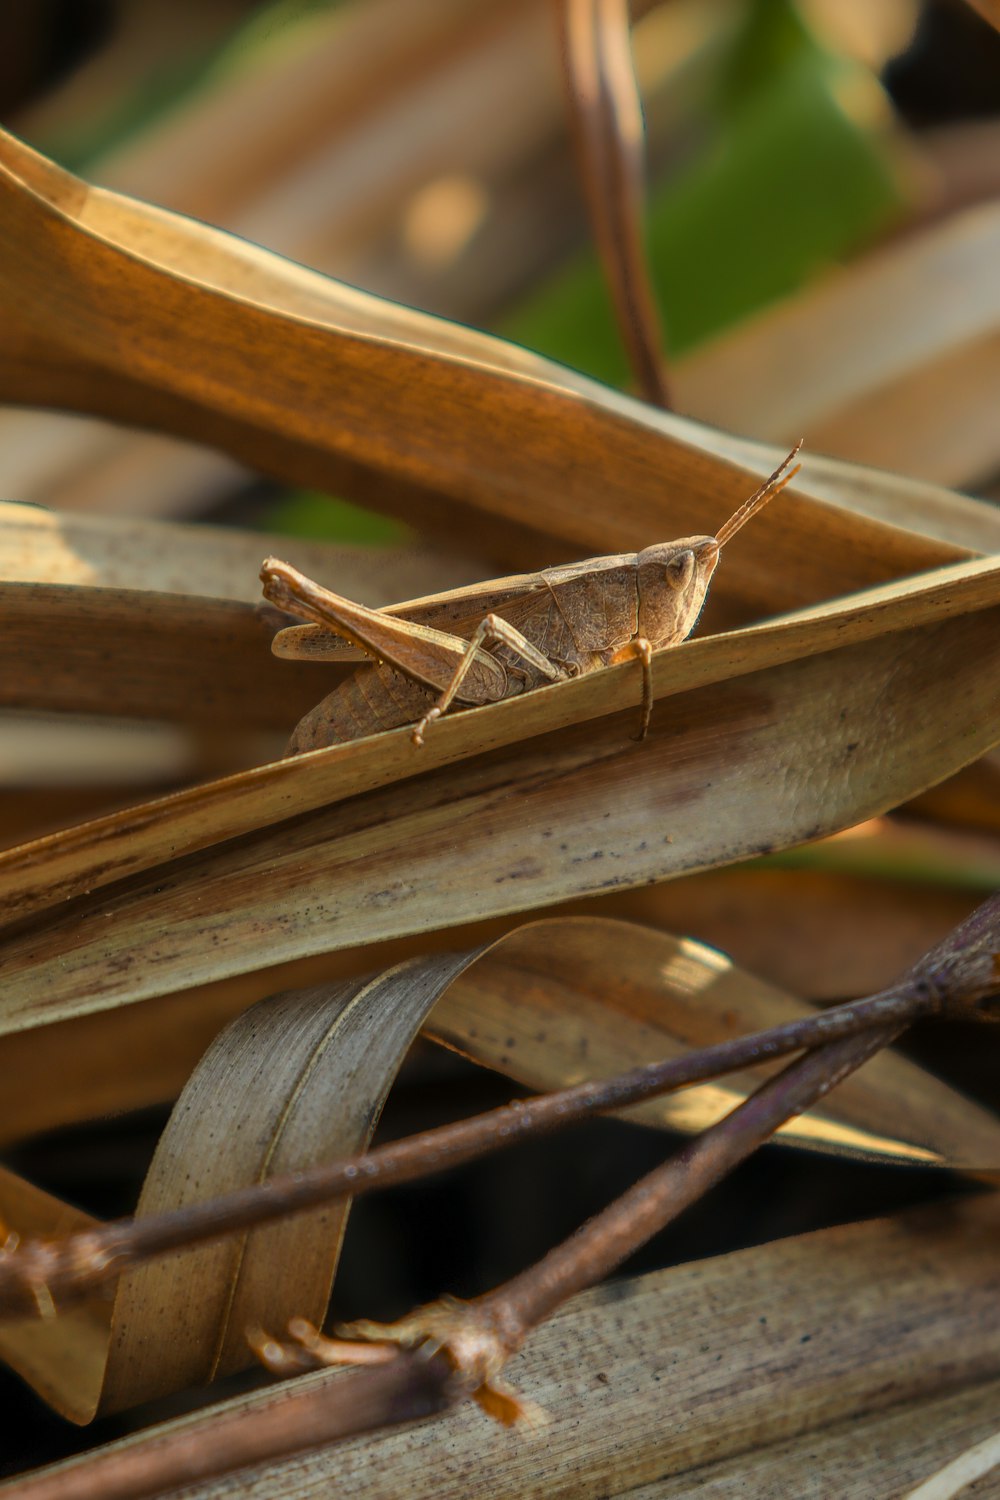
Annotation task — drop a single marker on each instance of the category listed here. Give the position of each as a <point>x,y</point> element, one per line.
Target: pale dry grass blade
<point>859,934</point>
<point>840,934</point>
<point>337,148</point>
<point>893,361</point>
<point>299,1080</point>
<point>975,1463</point>
<point>52,1353</point>
<point>959,520</point>
<point>727,773</point>
<point>664,1376</point>
<point>311,146</point>
<point>864,1458</point>
<point>140,654</point>
<point>541,1011</point>
<point>42,546</point>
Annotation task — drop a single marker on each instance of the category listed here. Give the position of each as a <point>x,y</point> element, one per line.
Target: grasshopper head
<point>674,576</point>
<point>673,581</point>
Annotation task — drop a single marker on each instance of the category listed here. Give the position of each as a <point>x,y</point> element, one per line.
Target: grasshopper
<point>503,637</point>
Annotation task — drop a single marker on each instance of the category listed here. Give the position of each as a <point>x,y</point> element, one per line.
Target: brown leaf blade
<point>560,1001</point>
<point>80,859</point>
<point>533,447</point>
<point>892,362</point>
<point>752,763</point>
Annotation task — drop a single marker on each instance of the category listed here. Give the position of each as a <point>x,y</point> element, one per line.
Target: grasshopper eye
<point>679,569</point>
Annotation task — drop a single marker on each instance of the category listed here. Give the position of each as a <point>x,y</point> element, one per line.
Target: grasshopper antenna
<point>782,475</point>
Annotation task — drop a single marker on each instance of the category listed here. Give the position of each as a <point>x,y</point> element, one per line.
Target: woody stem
<point>605,1241</point>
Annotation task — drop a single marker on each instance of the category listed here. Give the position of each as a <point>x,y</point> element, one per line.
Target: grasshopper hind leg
<point>492,631</point>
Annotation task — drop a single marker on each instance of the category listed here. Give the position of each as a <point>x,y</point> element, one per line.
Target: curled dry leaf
<point>839,936</point>
<point>270,148</point>
<point>533,1005</point>
<point>569,465</point>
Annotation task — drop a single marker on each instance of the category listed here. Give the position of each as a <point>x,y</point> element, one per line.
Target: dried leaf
<point>536,448</point>
<point>110,849</point>
<point>730,769</point>
<point>271,150</point>
<point>546,1010</point>
<point>40,546</point>
<point>839,936</point>
<point>147,655</point>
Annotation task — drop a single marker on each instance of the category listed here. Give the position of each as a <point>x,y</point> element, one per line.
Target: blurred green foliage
<point>792,177</point>
<point>788,183</point>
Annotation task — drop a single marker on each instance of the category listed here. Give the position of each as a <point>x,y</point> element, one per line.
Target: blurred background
<point>424,153</point>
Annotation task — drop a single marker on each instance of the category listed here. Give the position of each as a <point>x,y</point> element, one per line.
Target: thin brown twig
<point>601,1245</point>
<point>479,1337</point>
<point>606,113</point>
<point>63,1270</point>
<point>301,1415</point>
<point>410,1387</point>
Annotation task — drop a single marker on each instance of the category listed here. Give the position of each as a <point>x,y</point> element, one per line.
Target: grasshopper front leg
<point>641,649</point>
<point>491,631</point>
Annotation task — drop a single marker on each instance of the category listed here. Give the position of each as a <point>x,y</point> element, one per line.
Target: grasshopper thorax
<point>672,580</point>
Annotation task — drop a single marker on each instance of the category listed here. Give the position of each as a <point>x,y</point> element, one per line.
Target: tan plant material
<point>766,736</point>
<point>132,553</point>
<point>478,1339</point>
<point>892,363</point>
<point>270,149</point>
<point>947,982</point>
<point>851,644</point>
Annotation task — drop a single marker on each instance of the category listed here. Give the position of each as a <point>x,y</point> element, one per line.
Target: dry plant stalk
<point>554,625</point>
<point>606,115</point>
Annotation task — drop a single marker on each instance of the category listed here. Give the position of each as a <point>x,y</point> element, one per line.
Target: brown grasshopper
<point>504,637</point>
